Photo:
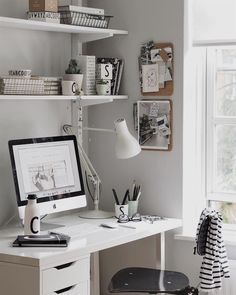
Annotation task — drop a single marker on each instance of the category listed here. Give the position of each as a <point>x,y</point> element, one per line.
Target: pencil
<point>127,226</point>
<point>115,197</point>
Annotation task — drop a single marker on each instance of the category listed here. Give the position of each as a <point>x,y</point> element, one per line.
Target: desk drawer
<point>80,289</point>
<point>66,275</point>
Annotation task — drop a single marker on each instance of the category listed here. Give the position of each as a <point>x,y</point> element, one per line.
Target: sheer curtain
<point>214,21</point>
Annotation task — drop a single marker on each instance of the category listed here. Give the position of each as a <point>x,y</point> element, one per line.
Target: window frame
<point>212,121</point>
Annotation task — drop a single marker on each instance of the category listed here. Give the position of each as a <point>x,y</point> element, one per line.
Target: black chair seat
<point>148,280</point>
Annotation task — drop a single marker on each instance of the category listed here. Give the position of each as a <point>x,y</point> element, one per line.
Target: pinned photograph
<point>154,124</point>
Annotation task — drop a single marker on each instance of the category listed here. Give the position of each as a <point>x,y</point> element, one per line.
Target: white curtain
<point>214,21</point>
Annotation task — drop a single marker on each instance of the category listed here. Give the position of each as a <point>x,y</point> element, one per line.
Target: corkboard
<point>169,85</point>
<point>170,115</point>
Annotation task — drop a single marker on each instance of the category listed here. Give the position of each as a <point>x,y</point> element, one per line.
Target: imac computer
<point>50,168</point>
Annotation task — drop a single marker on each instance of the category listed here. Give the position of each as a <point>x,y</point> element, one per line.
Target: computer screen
<point>50,168</point>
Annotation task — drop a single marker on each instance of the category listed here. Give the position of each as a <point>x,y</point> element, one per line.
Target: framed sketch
<point>154,124</point>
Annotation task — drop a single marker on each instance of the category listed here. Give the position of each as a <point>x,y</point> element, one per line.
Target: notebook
<point>51,240</point>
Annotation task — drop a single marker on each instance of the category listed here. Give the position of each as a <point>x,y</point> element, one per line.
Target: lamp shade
<point>126,145</point>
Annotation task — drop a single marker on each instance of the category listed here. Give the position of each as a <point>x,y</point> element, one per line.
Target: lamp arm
<point>88,165</point>
<point>98,129</point>
<point>92,173</point>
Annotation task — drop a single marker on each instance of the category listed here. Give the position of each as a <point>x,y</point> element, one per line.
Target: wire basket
<point>85,19</point>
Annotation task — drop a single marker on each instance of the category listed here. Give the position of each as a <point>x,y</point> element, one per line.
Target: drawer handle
<point>65,290</point>
<point>64,266</point>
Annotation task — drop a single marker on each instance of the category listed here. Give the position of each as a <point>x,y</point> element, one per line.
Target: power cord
<point>8,221</point>
<point>87,184</point>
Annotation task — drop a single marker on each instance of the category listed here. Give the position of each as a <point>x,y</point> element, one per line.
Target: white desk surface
<point>101,239</point>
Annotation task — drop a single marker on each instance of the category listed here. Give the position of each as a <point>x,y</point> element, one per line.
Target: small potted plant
<point>73,73</point>
<point>103,87</point>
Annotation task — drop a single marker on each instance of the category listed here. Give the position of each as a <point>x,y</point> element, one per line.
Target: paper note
<point>167,75</point>
<point>154,109</point>
<point>150,78</point>
<point>168,51</point>
<point>162,73</point>
<point>155,55</point>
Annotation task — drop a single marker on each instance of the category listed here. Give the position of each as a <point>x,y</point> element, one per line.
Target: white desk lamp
<point>126,147</point>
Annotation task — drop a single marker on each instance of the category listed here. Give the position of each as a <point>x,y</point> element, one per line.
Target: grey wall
<point>45,54</point>
<point>160,173</point>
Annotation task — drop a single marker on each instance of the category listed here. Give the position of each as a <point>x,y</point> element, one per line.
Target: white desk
<point>35,271</point>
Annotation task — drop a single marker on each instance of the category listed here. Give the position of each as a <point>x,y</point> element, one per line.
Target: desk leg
<point>94,274</point>
<point>160,246</point>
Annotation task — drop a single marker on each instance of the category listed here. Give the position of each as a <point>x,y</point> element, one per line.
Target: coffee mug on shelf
<point>69,88</point>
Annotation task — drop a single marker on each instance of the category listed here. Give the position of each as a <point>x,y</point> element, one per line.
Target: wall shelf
<point>85,100</point>
<point>86,34</point>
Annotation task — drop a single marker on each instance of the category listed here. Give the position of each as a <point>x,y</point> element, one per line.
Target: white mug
<point>121,210</point>
<point>69,88</point>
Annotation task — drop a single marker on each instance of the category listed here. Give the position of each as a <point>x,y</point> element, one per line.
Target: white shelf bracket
<point>77,118</point>
<point>84,38</point>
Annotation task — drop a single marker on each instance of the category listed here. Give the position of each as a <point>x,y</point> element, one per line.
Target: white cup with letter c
<point>69,88</point>
<point>121,210</point>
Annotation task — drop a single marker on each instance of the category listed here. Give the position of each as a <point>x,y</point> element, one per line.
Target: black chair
<point>152,281</point>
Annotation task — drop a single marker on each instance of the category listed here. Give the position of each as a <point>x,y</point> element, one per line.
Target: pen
<point>129,197</point>
<point>127,226</point>
<point>133,190</point>
<point>125,197</point>
<point>115,197</point>
<point>108,226</point>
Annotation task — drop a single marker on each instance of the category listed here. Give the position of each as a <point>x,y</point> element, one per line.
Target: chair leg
<point>189,291</point>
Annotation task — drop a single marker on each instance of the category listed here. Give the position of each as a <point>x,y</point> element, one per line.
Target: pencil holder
<point>133,208</point>
<point>121,210</point>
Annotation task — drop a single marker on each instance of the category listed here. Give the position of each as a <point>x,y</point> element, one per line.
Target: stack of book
<point>44,10</point>
<point>87,64</point>
<point>52,85</point>
<point>21,86</point>
<point>117,71</point>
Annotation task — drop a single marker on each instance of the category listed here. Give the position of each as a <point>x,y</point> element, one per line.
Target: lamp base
<point>96,214</point>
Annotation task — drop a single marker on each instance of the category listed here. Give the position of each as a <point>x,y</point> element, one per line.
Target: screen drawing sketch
<point>46,168</point>
<point>46,176</point>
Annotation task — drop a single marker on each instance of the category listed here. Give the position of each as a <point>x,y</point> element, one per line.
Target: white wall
<point>45,54</point>
<point>160,173</point>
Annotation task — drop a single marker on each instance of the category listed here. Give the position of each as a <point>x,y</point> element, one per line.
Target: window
<point>209,114</point>
<point>221,131</point>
